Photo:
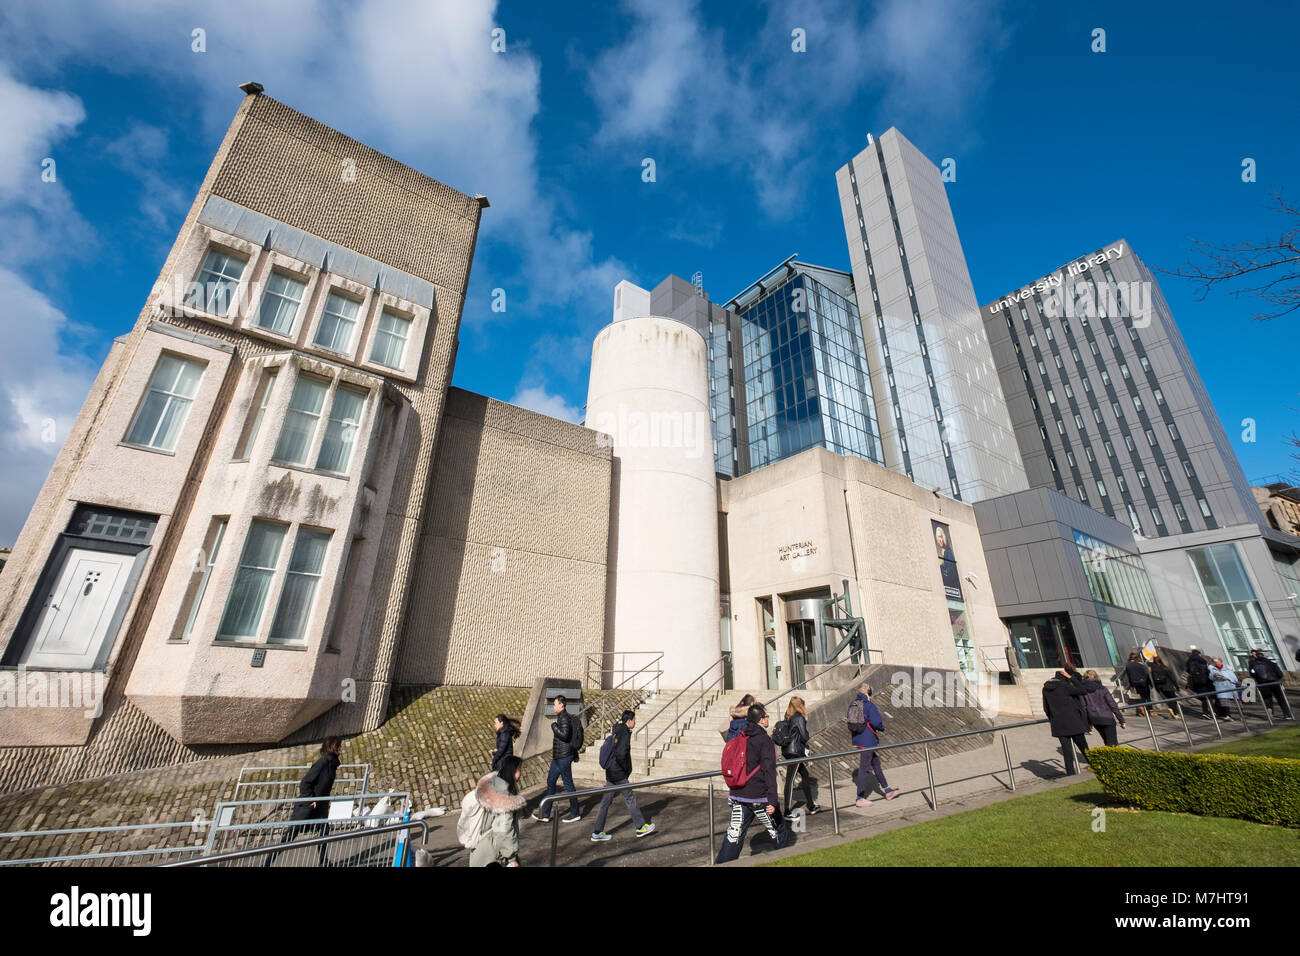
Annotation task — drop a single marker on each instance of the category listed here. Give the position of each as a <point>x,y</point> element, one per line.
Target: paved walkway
<point>963,782</point>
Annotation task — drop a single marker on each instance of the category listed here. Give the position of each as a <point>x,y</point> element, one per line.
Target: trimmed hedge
<point>1262,789</point>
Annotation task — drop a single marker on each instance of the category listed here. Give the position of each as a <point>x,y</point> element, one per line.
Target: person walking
<point>507,729</point>
<point>739,717</point>
<point>1067,715</point>
<point>318,781</point>
<point>1266,672</point>
<point>1101,709</point>
<point>865,726</point>
<point>1139,680</point>
<point>796,715</point>
<point>1166,685</point>
<point>498,796</point>
<point>757,797</point>
<point>619,770</point>
<point>563,732</point>
<point>1198,679</point>
<point>1226,684</point>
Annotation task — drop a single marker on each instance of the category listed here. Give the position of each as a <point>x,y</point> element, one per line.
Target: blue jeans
<point>561,767</point>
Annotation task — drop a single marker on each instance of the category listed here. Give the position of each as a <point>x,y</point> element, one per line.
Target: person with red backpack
<point>865,724</point>
<point>616,759</point>
<point>749,768</point>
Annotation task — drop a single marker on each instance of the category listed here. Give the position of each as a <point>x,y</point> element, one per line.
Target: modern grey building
<point>942,416</point>
<point>1109,410</point>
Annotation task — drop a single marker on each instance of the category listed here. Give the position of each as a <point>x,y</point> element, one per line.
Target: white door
<point>79,609</point>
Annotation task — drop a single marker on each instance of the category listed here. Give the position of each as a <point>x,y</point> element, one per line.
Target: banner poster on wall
<point>947,561</point>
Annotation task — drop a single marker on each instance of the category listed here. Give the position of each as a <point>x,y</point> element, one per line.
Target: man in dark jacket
<point>1266,672</point>
<point>1198,680</point>
<point>1139,680</point>
<point>317,782</point>
<point>1063,705</point>
<point>758,797</point>
<point>562,754</point>
<point>618,771</point>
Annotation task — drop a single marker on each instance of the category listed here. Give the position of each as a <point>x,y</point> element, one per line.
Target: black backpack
<point>782,734</point>
<point>576,739</point>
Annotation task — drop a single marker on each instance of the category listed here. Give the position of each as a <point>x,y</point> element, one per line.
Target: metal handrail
<point>808,680</point>
<point>925,742</point>
<point>675,702</point>
<point>589,658</point>
<point>313,841</point>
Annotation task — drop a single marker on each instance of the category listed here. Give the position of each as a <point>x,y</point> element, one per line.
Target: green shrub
<point>1263,789</point>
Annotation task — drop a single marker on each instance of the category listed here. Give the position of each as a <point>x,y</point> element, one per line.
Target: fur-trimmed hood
<point>495,800</point>
<point>739,713</point>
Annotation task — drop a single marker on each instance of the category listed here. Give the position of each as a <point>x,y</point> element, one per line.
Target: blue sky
<point>1059,151</point>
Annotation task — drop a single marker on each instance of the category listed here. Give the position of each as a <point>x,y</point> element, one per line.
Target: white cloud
<point>142,151</point>
<point>538,399</point>
<point>757,104</point>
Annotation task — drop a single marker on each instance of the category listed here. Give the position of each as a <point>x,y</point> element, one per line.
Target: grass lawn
<point>1054,828</point>
<point>1276,743</point>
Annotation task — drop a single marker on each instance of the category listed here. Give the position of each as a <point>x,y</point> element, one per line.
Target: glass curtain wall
<point>1232,604</point>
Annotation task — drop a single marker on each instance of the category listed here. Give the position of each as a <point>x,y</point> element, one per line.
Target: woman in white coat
<point>1225,682</point>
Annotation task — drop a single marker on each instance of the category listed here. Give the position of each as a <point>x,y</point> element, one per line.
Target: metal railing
<point>831,665</point>
<point>385,845</point>
<point>350,778</point>
<point>830,758</point>
<point>241,824</point>
<point>94,836</point>
<point>651,671</point>
<point>690,709</point>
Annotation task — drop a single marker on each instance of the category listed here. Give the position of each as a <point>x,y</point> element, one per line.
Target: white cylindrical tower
<point>649,391</point>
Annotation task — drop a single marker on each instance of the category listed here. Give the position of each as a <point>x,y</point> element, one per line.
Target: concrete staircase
<point>697,744</point>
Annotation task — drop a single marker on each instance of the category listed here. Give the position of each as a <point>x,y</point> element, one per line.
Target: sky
<point>110,114</point>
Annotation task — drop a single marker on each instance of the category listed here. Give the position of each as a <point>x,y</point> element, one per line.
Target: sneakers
<point>862,802</point>
<point>571,818</point>
<point>892,792</point>
<point>811,810</point>
<point>600,837</point>
<point>644,829</point>
<point>536,815</point>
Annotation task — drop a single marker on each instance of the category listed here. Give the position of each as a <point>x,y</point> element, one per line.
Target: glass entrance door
<point>803,649</point>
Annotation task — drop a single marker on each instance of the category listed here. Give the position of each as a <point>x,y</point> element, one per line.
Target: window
<point>341,430</point>
<point>337,322</point>
<point>1042,369</point>
<point>1051,396</point>
<point>1173,431</point>
<point>1051,461</point>
<point>211,546</point>
<point>1205,507</point>
<point>255,423</point>
<point>1083,495</point>
<point>1033,341</point>
<point>1164,475</point>
<point>1087,386</point>
<point>1069,456</point>
<point>1069,392</point>
<point>296,597</point>
<point>247,601</point>
<point>1033,401</point>
<point>1060,427</point>
<point>1105,377</point>
<point>1042,431</point>
<point>1092,346</point>
<point>1101,487</point>
<point>1155,516</point>
<point>1123,487</point>
<point>1187,467</point>
<point>1059,364</point>
<point>1087,451</point>
<point>1146,366</point>
<point>1115,576</point>
<point>1096,415</point>
<point>299,431</point>
<point>281,302</point>
<point>1137,403</point>
<point>1110,449</point>
<point>1048,332</point>
<point>1075,352</point>
<point>1024,373</point>
<point>1078,421</point>
<point>1160,399</point>
<point>1119,412</point>
<point>1182,515</point>
<point>1123,369</point>
<point>1133,334</point>
<point>166,404</point>
<point>390,339</point>
<point>217,281</point>
<point>1133,521</point>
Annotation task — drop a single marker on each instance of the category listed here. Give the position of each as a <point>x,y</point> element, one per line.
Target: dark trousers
<point>1220,706</point>
<point>561,768</point>
<point>1067,751</point>
<point>312,829</point>
<point>1168,697</point>
<point>1270,694</point>
<point>1205,701</point>
<point>869,763</point>
<point>742,815</point>
<point>1143,692</point>
<point>1109,735</point>
<point>806,781</point>
<point>629,797</point>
